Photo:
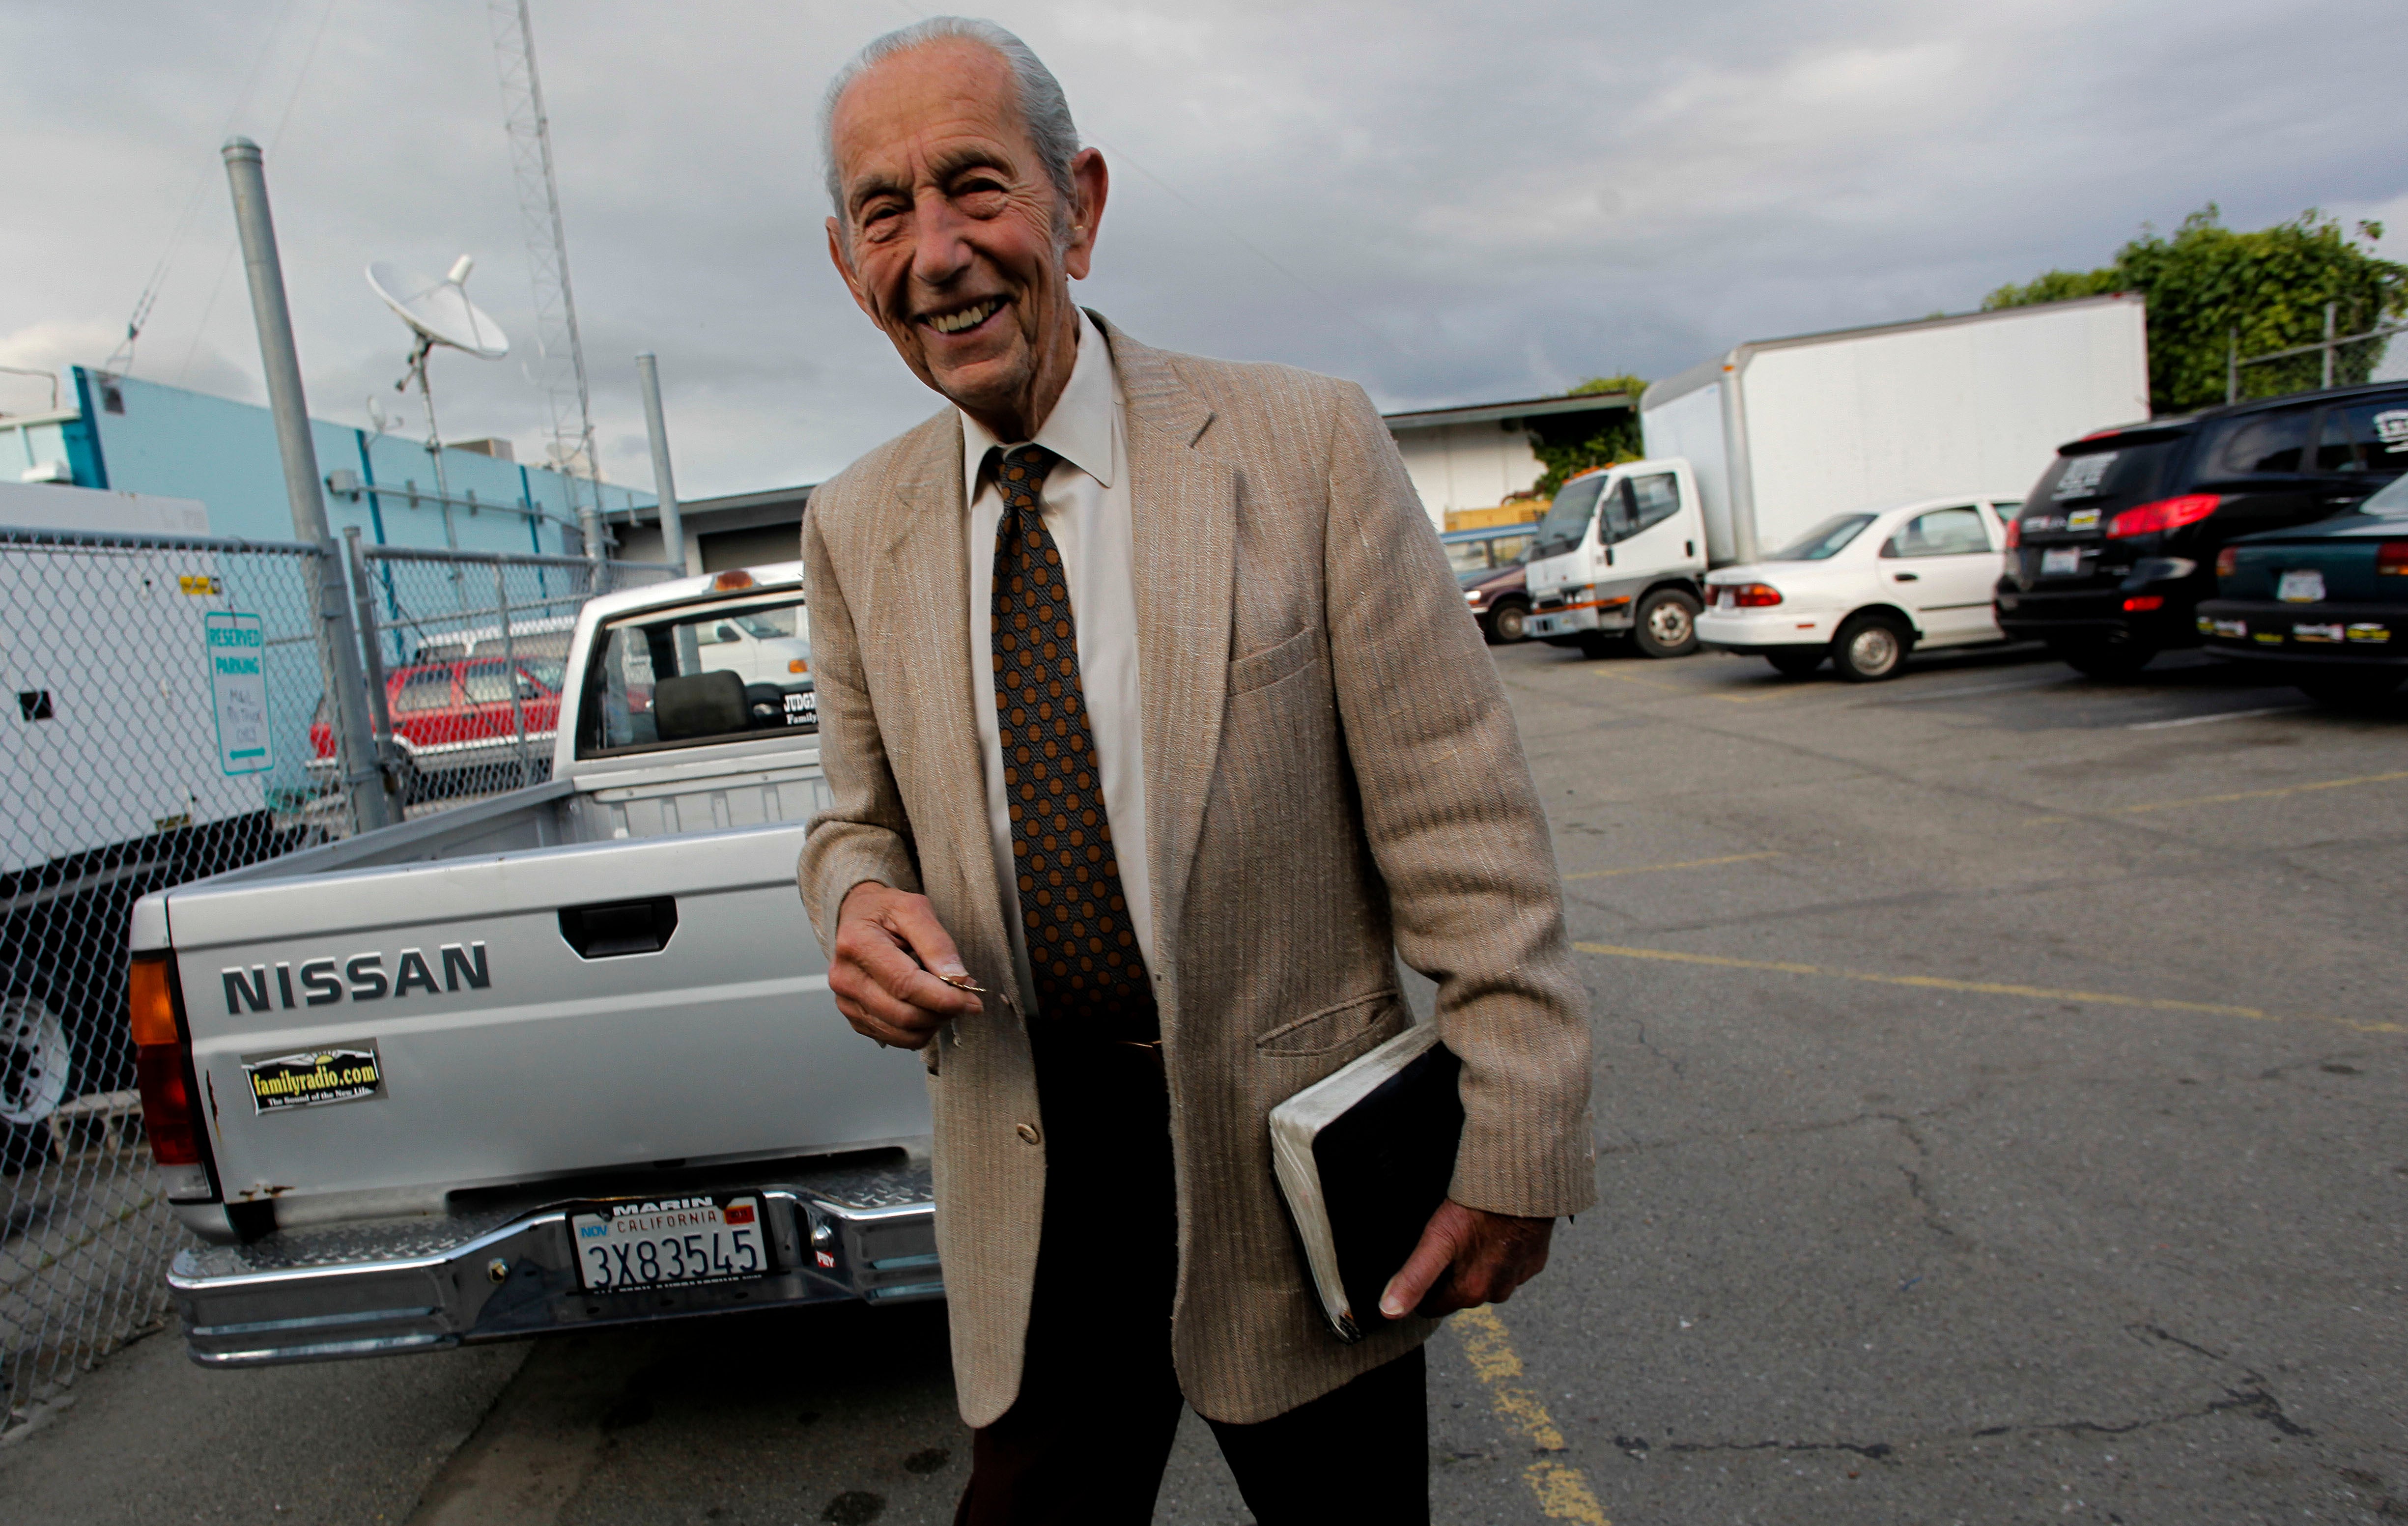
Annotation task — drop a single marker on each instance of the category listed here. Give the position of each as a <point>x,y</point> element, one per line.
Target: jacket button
<point>1027,1133</point>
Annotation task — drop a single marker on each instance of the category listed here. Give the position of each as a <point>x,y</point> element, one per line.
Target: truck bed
<point>504,1055</point>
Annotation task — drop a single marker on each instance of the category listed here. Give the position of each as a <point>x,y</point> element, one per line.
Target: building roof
<point>1527,407</point>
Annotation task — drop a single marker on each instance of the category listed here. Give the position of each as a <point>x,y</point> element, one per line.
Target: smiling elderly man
<point>1150,709</point>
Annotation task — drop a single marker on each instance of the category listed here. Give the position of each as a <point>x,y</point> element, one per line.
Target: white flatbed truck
<point>558,1059</point>
<point>1750,450</point>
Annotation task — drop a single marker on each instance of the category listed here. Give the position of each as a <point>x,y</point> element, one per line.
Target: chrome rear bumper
<point>391,1286</point>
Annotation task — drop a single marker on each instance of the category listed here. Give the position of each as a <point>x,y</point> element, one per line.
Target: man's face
<point>958,245</point>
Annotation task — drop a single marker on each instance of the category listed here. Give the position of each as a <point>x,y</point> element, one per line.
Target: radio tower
<point>559,362</point>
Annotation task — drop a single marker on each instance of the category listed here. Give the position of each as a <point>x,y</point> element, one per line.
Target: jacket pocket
<point>1332,1027</point>
<point>1261,669</point>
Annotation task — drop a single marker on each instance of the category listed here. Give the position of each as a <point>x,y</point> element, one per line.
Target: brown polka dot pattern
<point>1083,946</point>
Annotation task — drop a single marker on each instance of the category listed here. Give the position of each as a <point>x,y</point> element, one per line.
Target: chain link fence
<point>167,716</point>
<point>469,662</point>
<point>160,691</point>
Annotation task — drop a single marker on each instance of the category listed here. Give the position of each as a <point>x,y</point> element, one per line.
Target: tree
<point>1571,443</point>
<point>2207,282</point>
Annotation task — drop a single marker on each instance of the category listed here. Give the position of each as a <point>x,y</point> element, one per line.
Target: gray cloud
<point>1446,203</point>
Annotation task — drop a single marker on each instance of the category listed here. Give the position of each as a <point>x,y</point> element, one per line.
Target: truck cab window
<point>1620,520</point>
<point>1567,522</point>
<point>1654,499</point>
<point>691,676</point>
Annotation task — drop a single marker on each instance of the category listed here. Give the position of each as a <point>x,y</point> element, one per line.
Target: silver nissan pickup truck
<point>557,1058</point>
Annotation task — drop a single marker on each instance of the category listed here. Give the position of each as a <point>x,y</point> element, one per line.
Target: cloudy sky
<point>1449,202</point>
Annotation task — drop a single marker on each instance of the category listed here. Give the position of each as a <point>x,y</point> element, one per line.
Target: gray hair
<point>1043,109</point>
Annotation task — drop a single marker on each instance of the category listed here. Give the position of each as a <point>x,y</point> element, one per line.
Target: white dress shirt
<point>1085,505</point>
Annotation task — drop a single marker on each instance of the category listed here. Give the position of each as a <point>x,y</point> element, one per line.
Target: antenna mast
<point>560,364</point>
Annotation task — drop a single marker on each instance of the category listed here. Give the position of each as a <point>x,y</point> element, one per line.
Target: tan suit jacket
<point>1332,779</point>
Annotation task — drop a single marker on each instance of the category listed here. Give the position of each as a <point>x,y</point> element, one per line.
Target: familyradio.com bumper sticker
<point>345,1072</point>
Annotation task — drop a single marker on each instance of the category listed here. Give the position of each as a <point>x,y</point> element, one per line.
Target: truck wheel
<point>1667,625</point>
<point>1505,623</point>
<point>1795,664</point>
<point>1870,648</point>
<point>2106,660</point>
<point>2346,689</point>
<point>35,1060</point>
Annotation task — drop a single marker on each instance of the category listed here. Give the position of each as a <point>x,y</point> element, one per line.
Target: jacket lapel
<point>928,560</point>
<point>1184,505</point>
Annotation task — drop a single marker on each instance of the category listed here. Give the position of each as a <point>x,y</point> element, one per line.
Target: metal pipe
<point>364,611</point>
<point>648,374</point>
<point>338,639</point>
<point>2331,310</point>
<point>511,671</point>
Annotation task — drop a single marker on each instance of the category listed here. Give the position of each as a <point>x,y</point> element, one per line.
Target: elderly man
<point>1154,732</point>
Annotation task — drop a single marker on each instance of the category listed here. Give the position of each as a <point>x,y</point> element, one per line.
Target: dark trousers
<point>1087,1439</point>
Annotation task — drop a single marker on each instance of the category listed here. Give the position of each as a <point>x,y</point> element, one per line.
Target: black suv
<point>2117,545</point>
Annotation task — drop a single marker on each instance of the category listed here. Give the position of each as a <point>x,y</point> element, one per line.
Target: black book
<point>1364,1157</point>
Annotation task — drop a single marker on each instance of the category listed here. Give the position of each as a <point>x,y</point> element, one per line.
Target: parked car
<point>2325,605</point>
<point>453,720</point>
<point>2117,543</point>
<point>1500,599</point>
<point>1864,590</point>
<point>1486,548</point>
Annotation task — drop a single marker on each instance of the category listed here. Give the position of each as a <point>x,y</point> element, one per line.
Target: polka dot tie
<point>1083,948</point>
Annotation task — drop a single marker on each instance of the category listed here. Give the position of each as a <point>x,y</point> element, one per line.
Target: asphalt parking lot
<point>2000,1106</point>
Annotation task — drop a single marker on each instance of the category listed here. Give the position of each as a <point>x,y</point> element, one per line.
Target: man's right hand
<point>889,949</point>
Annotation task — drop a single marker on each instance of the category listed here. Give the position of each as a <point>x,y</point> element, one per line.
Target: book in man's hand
<point>1364,1157</point>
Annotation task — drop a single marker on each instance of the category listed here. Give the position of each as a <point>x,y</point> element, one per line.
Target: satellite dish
<point>439,312</point>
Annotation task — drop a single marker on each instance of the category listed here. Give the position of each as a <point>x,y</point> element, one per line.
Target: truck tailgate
<point>473,1044</point>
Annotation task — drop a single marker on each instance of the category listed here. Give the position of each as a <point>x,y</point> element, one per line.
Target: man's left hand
<point>1467,1257</point>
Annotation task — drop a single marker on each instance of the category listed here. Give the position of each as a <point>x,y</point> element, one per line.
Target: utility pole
<point>338,639</point>
<point>648,374</point>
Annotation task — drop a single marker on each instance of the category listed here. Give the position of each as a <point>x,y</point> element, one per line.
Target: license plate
<point>2307,586</point>
<point>2060,559</point>
<point>670,1240</point>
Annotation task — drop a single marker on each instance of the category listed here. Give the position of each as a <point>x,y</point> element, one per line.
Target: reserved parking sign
<point>239,692</point>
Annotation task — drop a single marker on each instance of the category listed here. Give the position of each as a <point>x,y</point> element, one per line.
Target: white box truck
<point>1748,451</point>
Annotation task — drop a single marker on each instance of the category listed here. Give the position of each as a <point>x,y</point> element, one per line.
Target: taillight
<point>2163,515</point>
<point>159,1062</point>
<point>1754,595</point>
<point>2391,559</point>
<point>2227,560</point>
<point>2142,604</point>
<point>2015,533</point>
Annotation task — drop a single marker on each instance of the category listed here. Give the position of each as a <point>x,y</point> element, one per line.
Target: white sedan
<point>1864,589</point>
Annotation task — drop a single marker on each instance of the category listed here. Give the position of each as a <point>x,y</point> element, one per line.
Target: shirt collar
<point>1080,428</point>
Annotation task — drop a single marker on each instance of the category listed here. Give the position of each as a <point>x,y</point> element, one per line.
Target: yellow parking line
<point>1686,863</point>
<point>1563,1491</point>
<point>2242,794</point>
<point>1992,988</point>
<point>1632,677</point>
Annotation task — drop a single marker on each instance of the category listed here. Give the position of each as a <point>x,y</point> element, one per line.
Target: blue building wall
<point>144,436</point>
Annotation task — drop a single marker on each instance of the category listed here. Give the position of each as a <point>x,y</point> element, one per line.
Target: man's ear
<point>1091,184</point>
<point>844,269</point>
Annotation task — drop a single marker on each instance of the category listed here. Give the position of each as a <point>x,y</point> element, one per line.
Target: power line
<point>149,294</point>
<point>225,261</point>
